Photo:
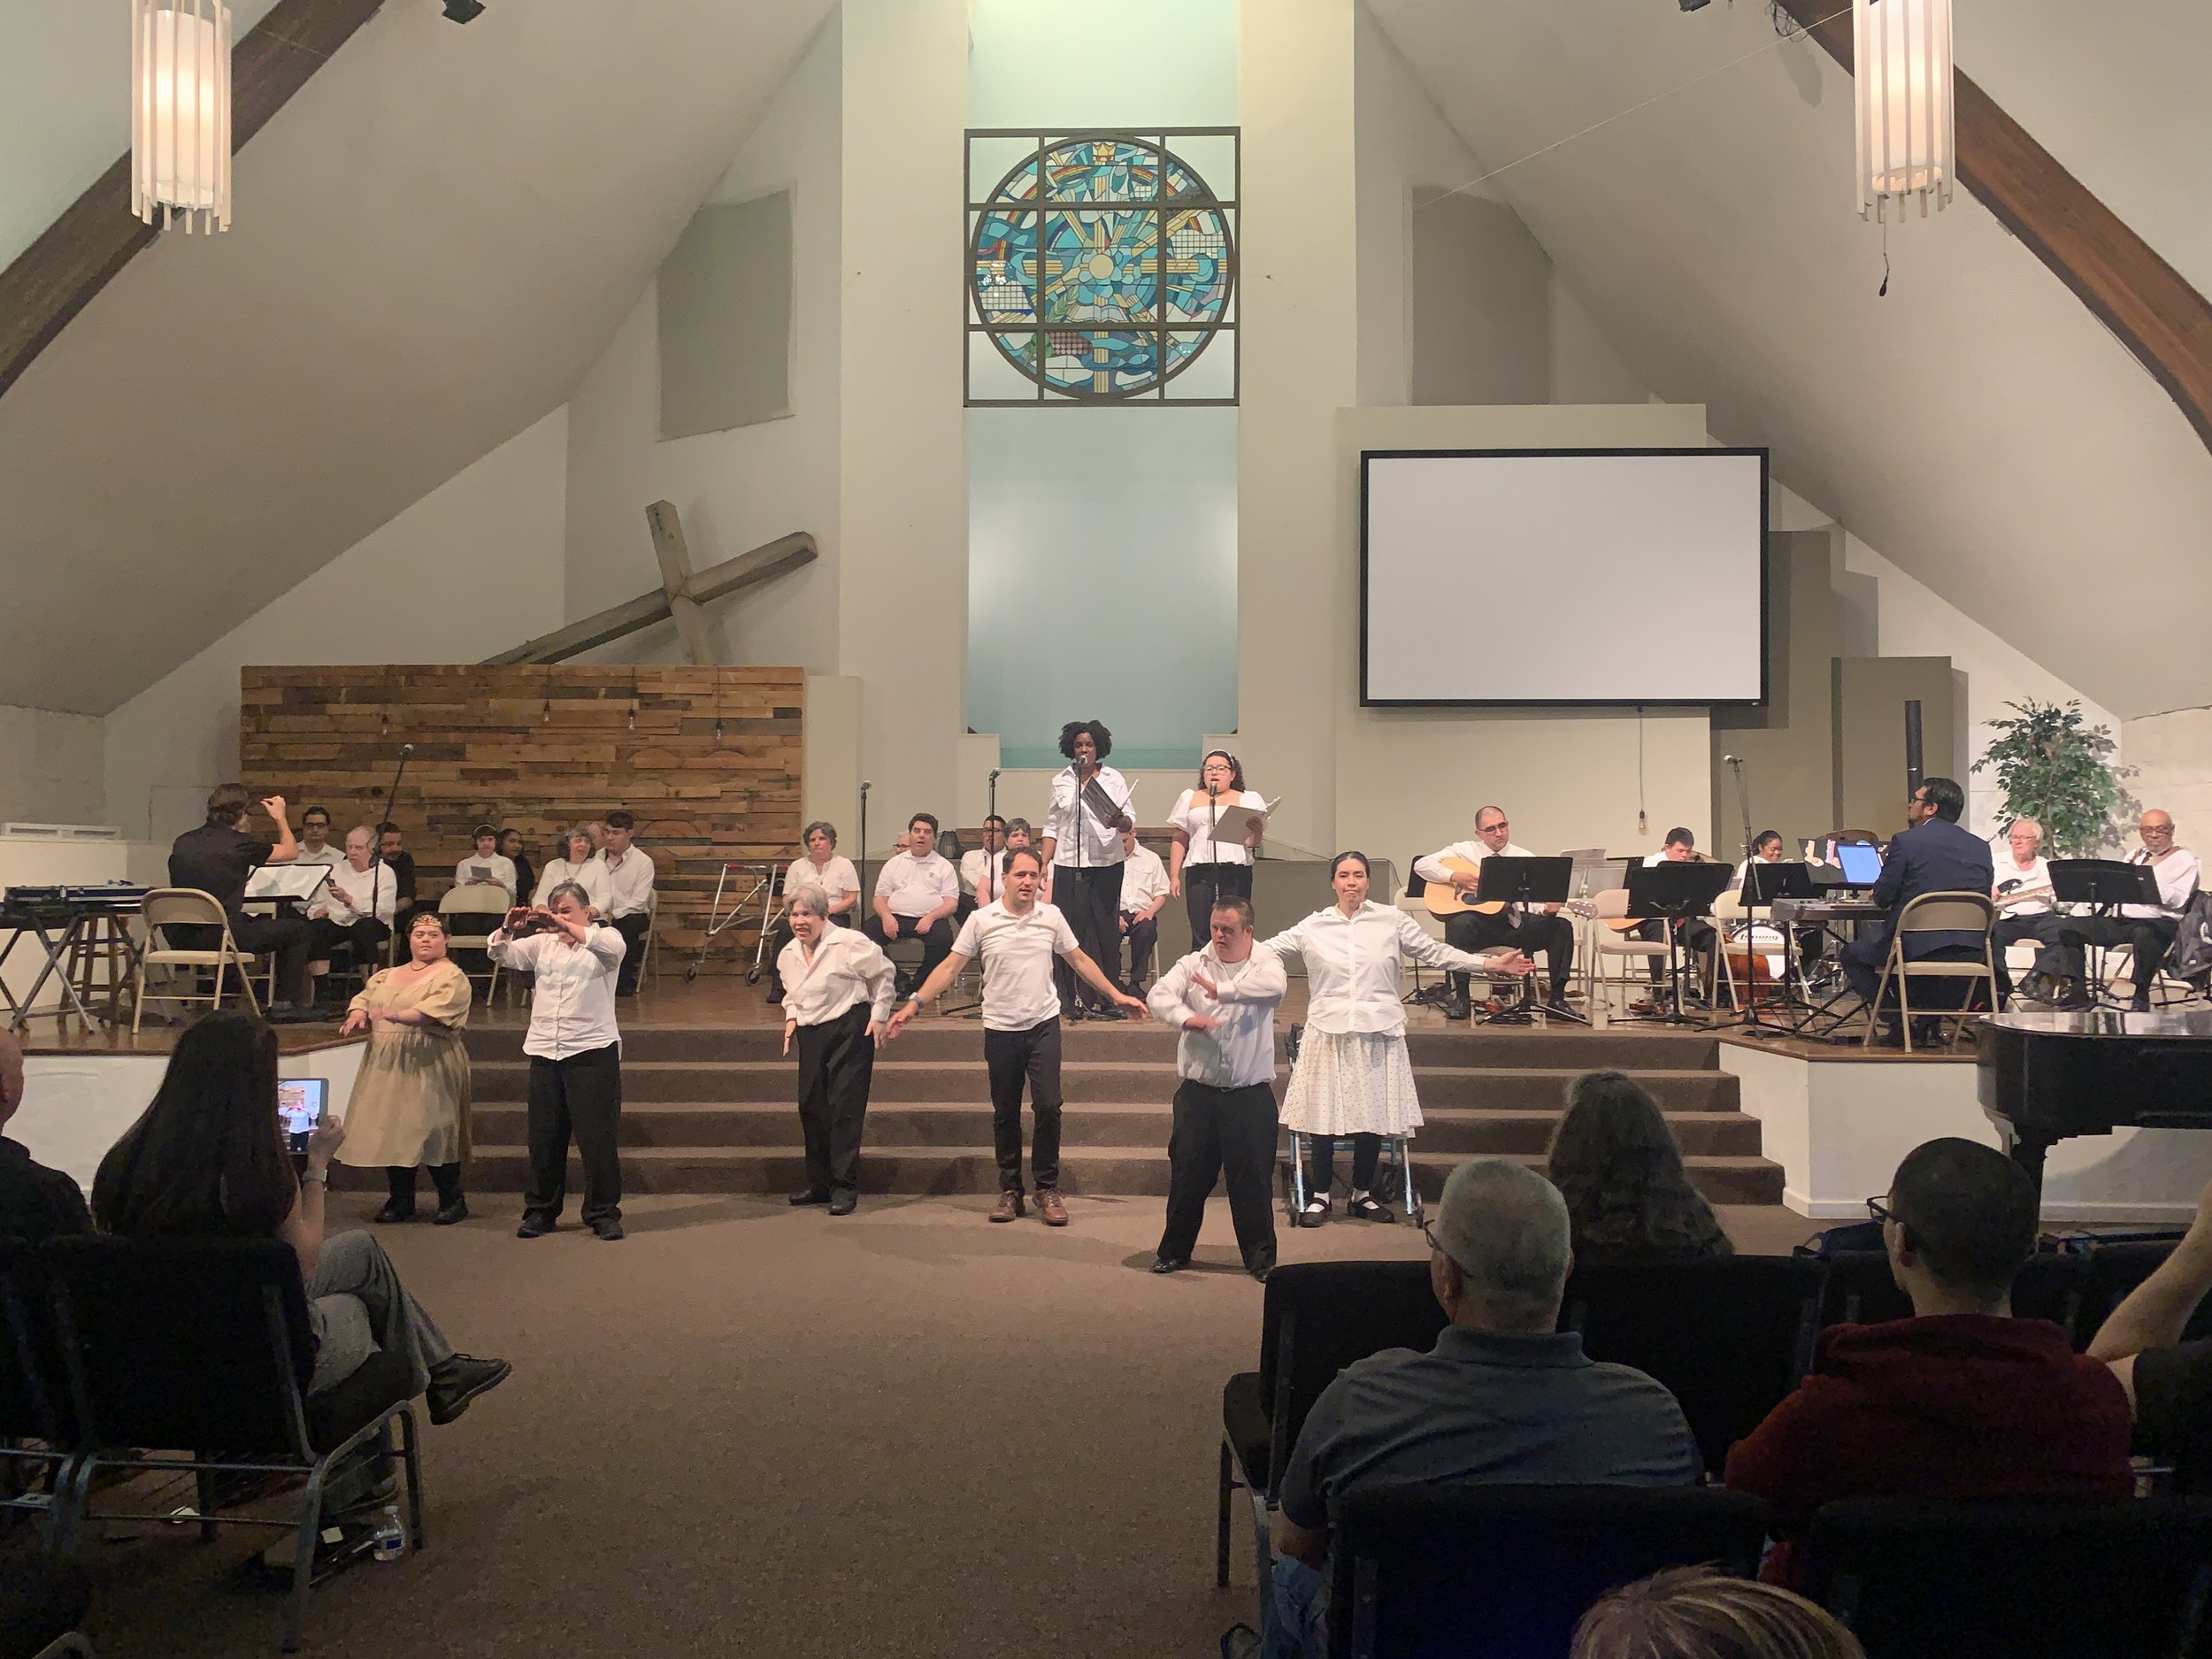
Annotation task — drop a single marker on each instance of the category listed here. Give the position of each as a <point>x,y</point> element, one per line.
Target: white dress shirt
<point>1352,965</point>
<point>1240,1051</point>
<point>1194,815</point>
<point>572,998</point>
<point>2177,874</point>
<point>629,884</point>
<point>587,875</point>
<point>473,870</point>
<point>1078,839</point>
<point>1432,868</point>
<point>357,883</point>
<point>836,878</point>
<point>2012,878</point>
<point>1143,881</point>
<point>915,887</point>
<point>972,865</point>
<point>1017,953</point>
<point>847,969</point>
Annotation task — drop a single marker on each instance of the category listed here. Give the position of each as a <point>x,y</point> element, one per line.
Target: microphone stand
<point>376,853</point>
<point>974,1011</point>
<point>863,841</point>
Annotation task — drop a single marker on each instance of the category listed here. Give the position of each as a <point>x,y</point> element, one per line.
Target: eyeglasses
<point>1878,1208</point>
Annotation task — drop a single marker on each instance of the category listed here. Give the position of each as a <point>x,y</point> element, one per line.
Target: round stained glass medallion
<point>1110,279</point>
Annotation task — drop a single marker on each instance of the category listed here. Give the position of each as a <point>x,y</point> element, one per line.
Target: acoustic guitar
<point>1444,900</point>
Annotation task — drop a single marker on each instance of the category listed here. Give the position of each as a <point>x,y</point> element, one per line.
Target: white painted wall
<point>2171,754</point>
<point>739,489</point>
<point>51,767</point>
<point>471,569</point>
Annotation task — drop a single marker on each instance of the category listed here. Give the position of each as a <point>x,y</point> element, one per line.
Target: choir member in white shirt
<point>315,846</point>
<point>1144,885</point>
<point>2148,930</point>
<point>824,867</point>
<point>1085,853</point>
<point>1200,868</point>
<point>2026,873</point>
<point>1221,998</point>
<point>578,862</point>
<point>511,849</point>
<point>1352,1076</point>
<point>626,871</point>
<point>916,892</point>
<point>486,866</point>
<point>1019,938</point>
<point>356,906</point>
<point>982,869</point>
<point>1537,930</point>
<point>575,1059</point>
<point>838,996</point>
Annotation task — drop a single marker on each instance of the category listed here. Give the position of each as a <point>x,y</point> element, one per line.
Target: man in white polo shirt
<point>1019,938</point>
<point>1144,888</point>
<point>916,892</point>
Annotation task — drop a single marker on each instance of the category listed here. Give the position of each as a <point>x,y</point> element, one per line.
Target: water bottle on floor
<point>391,1536</point>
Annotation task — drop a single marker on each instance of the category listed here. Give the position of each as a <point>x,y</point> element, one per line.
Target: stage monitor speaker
<point>725,318</point>
<point>1915,773</point>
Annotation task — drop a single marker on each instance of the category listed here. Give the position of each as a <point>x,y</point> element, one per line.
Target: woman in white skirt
<point>1353,1077</point>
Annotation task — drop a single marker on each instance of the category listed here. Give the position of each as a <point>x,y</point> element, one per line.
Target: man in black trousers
<point>217,858</point>
<point>1932,854</point>
<point>1223,1000</point>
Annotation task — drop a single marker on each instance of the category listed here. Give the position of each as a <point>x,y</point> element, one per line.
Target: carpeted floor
<point>747,1430</point>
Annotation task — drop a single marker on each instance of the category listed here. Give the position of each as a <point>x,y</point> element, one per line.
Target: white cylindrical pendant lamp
<point>1908,123</point>
<point>180,112</point>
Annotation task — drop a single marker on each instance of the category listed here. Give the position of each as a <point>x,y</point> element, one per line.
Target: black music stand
<point>2104,885</point>
<point>1511,881</point>
<point>1762,884</point>
<point>1674,891</point>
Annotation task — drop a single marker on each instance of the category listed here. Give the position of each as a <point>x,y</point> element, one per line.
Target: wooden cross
<point>682,591</point>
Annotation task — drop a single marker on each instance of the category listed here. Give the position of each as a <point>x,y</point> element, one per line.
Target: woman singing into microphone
<point>1203,870</point>
<point>1082,849</point>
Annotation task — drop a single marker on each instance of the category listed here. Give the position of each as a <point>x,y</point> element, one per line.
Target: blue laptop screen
<point>1860,863</point>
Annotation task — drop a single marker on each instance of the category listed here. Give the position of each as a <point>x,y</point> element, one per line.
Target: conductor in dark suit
<point>1931,855</point>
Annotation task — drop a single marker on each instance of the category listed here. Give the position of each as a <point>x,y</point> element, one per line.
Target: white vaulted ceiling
<point>1977,425</point>
<point>432,241</point>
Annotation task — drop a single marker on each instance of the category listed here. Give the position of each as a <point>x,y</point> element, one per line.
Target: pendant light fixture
<point>1908,124</point>
<point>180,112</point>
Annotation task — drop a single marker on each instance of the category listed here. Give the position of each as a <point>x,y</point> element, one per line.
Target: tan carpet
<point>747,1430</point>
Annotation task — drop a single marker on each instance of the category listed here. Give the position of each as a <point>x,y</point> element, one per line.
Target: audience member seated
<point>488,867</point>
<point>208,1160</point>
<point>1616,1163</point>
<point>983,870</point>
<point>827,868</point>
<point>1695,1613</point>
<point>355,907</point>
<point>217,858</point>
<point>626,873</point>
<point>2169,1382</point>
<point>1960,1402</point>
<point>1144,888</point>
<point>315,844</point>
<point>1504,1395</point>
<point>392,849</point>
<point>916,892</point>
<point>578,861</point>
<point>509,845</point>
<point>36,1203</point>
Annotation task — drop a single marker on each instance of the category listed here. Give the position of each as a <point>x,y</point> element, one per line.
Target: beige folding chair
<point>472,916</point>
<point>190,906</point>
<point>1937,913</point>
<point>1611,905</point>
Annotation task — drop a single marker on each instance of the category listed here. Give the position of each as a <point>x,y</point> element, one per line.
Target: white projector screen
<point>1614,576</point>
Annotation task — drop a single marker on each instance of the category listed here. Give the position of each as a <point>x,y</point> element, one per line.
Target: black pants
<point>579,1097</point>
<point>1141,938</point>
<point>936,939</point>
<point>365,937</point>
<point>289,937</point>
<point>1206,885</point>
<point>2066,941</point>
<point>633,929</point>
<point>837,1061</point>
<point>1366,1155</point>
<point>1551,937</point>
<point>1090,898</point>
<point>1694,941</point>
<point>1230,1133</point>
<point>1864,957</point>
<point>400,1179</point>
<point>2010,930</point>
<point>1013,1058</point>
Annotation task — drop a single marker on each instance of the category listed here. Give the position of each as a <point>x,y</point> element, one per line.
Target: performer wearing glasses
<point>1202,869</point>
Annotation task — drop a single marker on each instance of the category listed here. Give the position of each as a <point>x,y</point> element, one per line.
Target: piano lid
<point>2183,1023</point>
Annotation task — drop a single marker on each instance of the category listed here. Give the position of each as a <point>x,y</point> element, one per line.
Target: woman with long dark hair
<point>207,1160</point>
<point>1203,866</point>
<point>1615,1161</point>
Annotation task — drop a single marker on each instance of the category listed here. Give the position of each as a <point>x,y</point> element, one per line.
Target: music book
<point>1104,808</point>
<point>1233,824</point>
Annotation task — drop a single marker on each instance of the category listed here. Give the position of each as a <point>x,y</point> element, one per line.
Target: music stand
<point>1674,891</point>
<point>1511,881</point>
<point>2104,885</point>
<point>1762,884</point>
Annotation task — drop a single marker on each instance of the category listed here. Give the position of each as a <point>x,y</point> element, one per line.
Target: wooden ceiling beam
<point>2146,303</point>
<point>57,275</point>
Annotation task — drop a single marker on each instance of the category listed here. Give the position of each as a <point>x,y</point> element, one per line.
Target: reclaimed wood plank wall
<point>708,758</point>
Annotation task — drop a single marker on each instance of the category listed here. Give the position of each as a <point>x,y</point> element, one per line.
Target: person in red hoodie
<point>1960,1402</point>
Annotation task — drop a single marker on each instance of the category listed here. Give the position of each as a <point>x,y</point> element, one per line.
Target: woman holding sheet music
<point>1204,867</point>
<point>1082,846</point>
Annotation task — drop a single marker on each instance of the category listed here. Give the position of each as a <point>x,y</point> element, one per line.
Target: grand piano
<point>2047,1076</point>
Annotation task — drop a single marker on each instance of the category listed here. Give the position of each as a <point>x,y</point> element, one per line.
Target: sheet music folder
<point>1103,807</point>
<point>1763,883</point>
<point>295,881</point>
<point>1524,880</point>
<point>1232,824</point>
<point>1675,889</point>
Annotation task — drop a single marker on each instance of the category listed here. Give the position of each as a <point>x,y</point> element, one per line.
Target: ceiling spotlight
<point>469,10</point>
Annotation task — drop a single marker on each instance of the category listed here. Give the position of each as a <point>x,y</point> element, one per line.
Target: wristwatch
<point>314,1174</point>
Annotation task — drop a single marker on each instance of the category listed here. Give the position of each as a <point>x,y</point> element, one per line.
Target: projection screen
<point>1563,576</point>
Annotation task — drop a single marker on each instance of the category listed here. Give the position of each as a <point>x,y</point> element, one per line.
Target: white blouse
<point>1352,965</point>
<point>572,998</point>
<point>1194,815</point>
<point>847,969</point>
<point>1079,841</point>
<point>590,875</point>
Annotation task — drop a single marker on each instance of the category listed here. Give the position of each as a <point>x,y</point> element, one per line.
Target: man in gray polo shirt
<point>1503,1397</point>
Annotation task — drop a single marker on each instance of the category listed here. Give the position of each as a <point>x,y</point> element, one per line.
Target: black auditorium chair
<point>1915,1578</point>
<point>2053,1285</point>
<point>1500,1571</point>
<point>36,1421</point>
<point>1316,1319</point>
<point>2116,1269</point>
<point>1731,1336</point>
<point>198,1351</point>
<point>42,1604</point>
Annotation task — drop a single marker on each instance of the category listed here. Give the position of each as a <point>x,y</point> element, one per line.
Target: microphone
<point>1731,760</point>
<point>406,749</point>
<point>994,776</point>
<point>865,785</point>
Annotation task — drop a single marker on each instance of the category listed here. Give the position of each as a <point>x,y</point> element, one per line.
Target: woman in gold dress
<point>411,1103</point>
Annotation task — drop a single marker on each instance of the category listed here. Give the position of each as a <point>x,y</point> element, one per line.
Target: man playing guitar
<point>2023,895</point>
<point>1532,929</point>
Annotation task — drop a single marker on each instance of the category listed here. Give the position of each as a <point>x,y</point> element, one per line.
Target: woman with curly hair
<point>1083,852</point>
<point>1616,1163</point>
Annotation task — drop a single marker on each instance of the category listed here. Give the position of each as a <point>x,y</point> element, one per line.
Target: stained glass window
<point>1102,267</point>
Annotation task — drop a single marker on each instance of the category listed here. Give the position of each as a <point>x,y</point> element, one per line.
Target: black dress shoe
<point>1167,1264</point>
<point>448,1213</point>
<point>459,1381</point>
<point>608,1227</point>
<point>1455,1004</point>
<point>843,1202</point>
<point>1261,1271</point>
<point>392,1212</point>
<point>534,1226</point>
<point>1365,1208</point>
<point>812,1195</point>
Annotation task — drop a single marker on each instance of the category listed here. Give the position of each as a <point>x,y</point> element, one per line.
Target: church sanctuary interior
<point>1327,827</point>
